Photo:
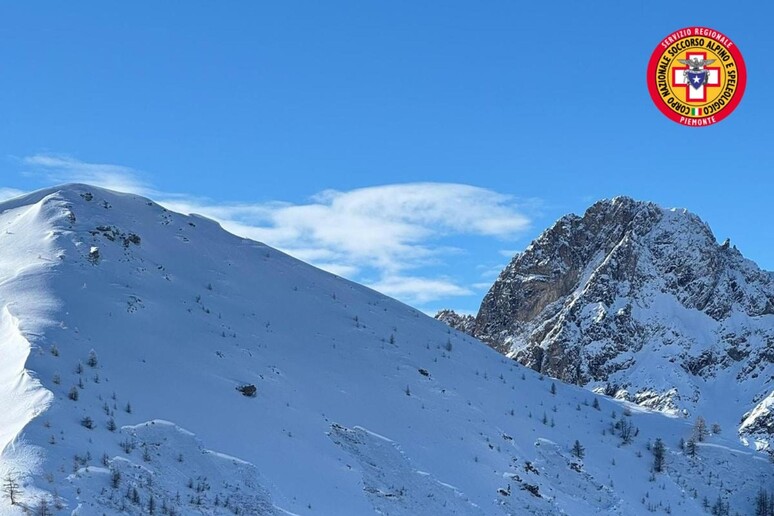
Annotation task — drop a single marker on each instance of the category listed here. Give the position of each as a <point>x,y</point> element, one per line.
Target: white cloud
<point>65,169</point>
<point>9,193</point>
<point>490,272</point>
<point>387,232</point>
<point>345,271</point>
<point>390,230</point>
<point>389,227</point>
<point>418,290</point>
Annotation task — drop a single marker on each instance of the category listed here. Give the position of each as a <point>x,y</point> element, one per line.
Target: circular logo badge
<point>696,76</point>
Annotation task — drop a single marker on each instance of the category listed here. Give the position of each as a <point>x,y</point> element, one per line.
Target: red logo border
<point>741,81</point>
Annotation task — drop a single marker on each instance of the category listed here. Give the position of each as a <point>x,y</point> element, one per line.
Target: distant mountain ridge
<point>465,323</point>
<point>642,303</point>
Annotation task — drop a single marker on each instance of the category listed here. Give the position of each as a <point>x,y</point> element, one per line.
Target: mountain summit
<point>642,303</point>
<point>152,363</point>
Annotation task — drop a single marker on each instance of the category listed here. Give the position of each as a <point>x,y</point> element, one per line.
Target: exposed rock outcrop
<point>642,303</point>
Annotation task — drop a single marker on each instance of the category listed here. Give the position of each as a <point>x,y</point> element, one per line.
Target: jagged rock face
<point>758,424</point>
<point>641,302</point>
<point>463,323</point>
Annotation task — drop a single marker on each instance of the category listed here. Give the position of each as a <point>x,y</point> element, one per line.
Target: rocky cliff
<point>642,303</point>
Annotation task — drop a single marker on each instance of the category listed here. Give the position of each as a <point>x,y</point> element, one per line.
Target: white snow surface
<point>363,405</point>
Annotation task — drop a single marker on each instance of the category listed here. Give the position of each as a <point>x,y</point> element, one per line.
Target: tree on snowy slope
<point>11,488</point>
<point>578,450</point>
<point>700,429</point>
<point>658,456</point>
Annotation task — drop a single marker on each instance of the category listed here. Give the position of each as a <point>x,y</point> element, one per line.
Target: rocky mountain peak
<point>637,301</point>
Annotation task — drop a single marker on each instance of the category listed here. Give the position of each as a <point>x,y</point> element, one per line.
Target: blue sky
<point>412,146</point>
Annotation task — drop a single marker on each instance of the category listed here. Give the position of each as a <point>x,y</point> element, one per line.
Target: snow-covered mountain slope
<point>127,332</point>
<point>642,303</point>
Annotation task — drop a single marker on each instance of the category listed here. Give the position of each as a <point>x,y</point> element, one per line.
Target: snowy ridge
<point>26,254</point>
<point>315,395</point>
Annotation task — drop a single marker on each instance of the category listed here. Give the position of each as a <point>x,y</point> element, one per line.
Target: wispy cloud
<point>379,235</point>
<point>488,272</point>
<point>65,169</point>
<point>418,290</point>
<point>9,193</point>
<point>389,231</point>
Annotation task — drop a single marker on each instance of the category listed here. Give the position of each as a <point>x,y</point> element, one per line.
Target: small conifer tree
<point>658,455</point>
<point>578,450</point>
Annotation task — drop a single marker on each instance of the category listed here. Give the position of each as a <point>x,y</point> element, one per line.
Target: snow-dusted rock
<point>642,303</point>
